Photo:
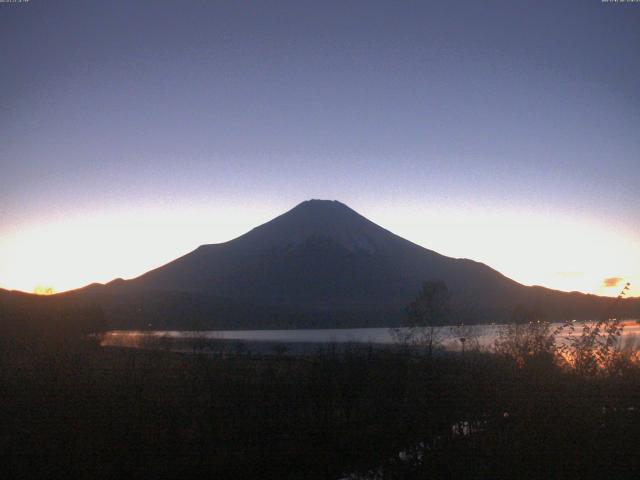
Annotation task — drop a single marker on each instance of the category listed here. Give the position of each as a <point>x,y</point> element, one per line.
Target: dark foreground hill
<point>321,264</point>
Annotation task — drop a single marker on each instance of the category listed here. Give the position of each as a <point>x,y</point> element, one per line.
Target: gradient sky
<point>133,131</point>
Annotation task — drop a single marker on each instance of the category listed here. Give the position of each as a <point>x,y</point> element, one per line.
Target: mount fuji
<point>320,265</point>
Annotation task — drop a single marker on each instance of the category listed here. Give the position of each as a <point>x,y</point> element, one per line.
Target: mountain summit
<point>321,219</point>
<point>321,264</point>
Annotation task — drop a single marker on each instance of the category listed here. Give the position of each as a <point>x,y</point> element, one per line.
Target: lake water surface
<point>448,337</point>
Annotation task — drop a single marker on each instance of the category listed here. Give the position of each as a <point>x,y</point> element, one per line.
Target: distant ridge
<point>321,264</point>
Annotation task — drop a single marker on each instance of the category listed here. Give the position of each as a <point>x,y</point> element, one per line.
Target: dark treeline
<point>45,322</point>
<point>81,411</point>
<point>178,310</point>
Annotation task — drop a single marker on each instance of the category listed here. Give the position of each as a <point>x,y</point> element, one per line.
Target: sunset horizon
<point>566,277</point>
<point>302,240</point>
<point>505,134</point>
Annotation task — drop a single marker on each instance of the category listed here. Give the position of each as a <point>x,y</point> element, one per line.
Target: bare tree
<point>596,346</point>
<point>425,313</point>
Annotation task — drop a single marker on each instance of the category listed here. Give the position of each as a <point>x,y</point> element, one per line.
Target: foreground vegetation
<point>87,412</point>
<point>530,408</point>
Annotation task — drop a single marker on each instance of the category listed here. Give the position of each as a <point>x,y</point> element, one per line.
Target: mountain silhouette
<point>320,265</point>
<point>320,253</point>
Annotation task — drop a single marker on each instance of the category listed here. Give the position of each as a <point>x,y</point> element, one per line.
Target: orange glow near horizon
<point>562,253</point>
<point>74,252</point>
<point>43,290</point>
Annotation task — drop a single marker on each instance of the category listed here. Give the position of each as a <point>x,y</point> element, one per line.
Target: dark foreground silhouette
<point>87,412</point>
<point>71,409</point>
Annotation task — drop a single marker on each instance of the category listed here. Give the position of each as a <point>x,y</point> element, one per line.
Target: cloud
<point>612,281</point>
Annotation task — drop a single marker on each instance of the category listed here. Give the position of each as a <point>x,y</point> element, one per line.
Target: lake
<point>303,340</point>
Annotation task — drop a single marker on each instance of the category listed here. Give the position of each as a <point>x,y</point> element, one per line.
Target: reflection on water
<point>449,337</point>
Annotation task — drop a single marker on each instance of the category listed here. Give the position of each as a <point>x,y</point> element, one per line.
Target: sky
<point>506,132</point>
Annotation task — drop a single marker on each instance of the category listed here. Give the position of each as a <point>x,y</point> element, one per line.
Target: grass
<point>86,412</point>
